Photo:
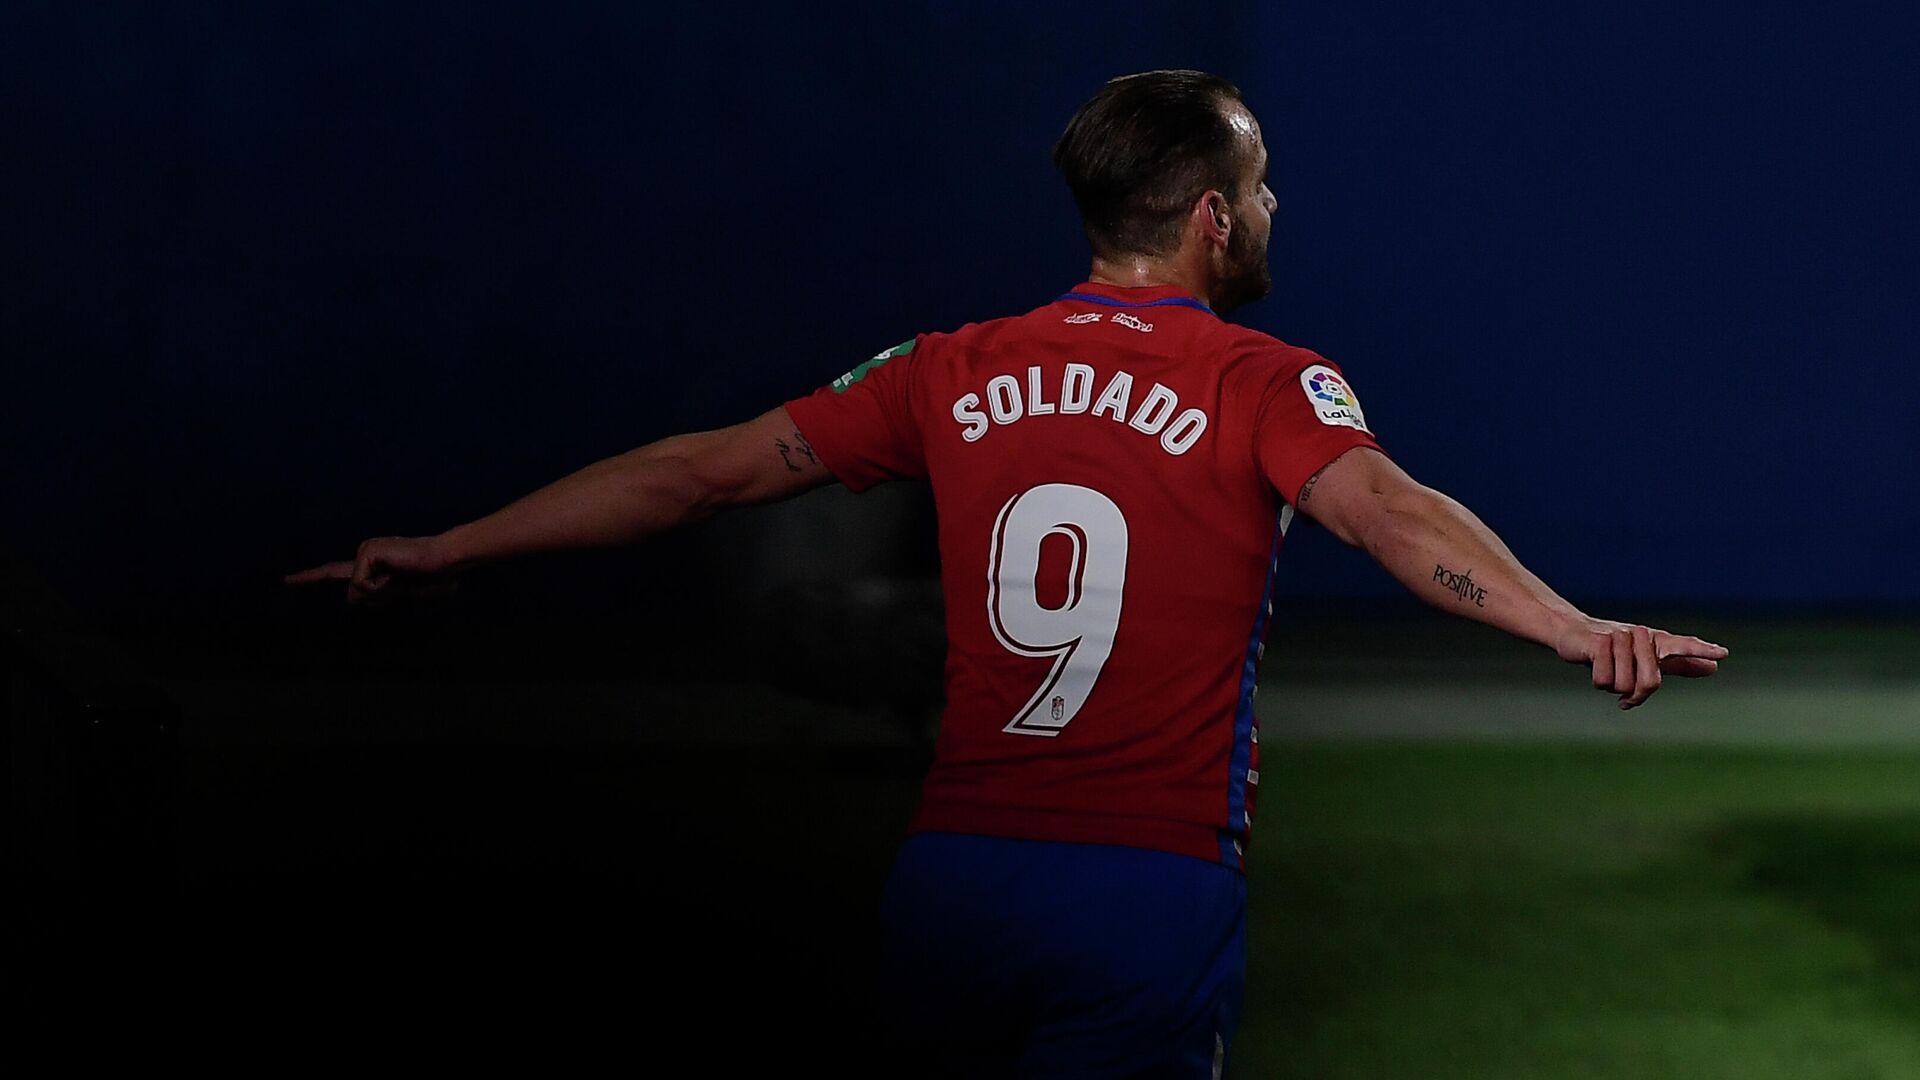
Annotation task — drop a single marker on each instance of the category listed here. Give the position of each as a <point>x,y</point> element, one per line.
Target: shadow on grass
<point>1860,875</point>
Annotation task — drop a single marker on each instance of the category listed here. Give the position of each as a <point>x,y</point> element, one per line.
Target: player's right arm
<point>1449,558</point>
<point>618,500</point>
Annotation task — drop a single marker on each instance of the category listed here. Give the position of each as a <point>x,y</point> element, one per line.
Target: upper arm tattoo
<point>1306,489</point>
<point>799,447</point>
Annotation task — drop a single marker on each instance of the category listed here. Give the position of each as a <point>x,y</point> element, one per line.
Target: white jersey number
<point>1079,633</point>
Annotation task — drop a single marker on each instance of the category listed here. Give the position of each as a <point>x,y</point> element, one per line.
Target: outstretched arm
<point>1449,558</point>
<point>615,501</point>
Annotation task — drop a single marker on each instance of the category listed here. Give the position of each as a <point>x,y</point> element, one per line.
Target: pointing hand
<point>386,568</point>
<point>1629,660</point>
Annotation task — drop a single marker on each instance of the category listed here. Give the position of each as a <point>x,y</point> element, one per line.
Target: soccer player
<point>1114,473</point>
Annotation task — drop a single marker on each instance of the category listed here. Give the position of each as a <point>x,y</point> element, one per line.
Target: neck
<point>1140,271</point>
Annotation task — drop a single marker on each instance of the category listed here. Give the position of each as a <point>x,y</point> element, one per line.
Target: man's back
<point>1108,471</point>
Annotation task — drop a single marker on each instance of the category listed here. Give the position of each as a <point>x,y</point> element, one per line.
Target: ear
<point>1213,217</point>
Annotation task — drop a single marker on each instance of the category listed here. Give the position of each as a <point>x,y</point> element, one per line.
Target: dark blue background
<point>1638,283</point>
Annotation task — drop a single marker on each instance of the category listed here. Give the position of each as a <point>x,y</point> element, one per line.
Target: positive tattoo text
<point>1460,585</point>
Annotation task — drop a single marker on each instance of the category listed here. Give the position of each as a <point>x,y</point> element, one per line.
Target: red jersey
<point>1113,474</point>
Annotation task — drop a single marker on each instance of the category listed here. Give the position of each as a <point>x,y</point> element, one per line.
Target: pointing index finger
<point>333,571</point>
<point>1682,645</point>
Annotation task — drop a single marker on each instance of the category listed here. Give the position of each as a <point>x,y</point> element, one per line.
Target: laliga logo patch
<point>1332,399</point>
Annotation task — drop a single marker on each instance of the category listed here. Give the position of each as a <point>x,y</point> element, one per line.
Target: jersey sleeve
<point>1308,415</point>
<point>862,424</point>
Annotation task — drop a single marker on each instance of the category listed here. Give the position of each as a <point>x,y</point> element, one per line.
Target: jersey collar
<point>1137,297</point>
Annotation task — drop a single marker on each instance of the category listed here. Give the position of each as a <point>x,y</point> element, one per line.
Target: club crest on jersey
<point>1332,399</point>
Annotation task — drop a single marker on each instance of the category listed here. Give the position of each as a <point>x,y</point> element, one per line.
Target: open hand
<point>385,569</point>
<point>1629,659</point>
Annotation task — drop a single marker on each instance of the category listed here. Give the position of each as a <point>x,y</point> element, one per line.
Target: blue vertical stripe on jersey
<point>1170,301</point>
<point>1241,758</point>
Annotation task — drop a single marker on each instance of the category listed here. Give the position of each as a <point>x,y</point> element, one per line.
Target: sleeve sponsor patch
<point>840,384</point>
<point>1332,399</point>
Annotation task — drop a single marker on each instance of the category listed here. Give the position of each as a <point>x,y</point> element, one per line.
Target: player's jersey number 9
<point>1078,634</point>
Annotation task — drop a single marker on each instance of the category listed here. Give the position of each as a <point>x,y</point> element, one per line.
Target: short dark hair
<point>1139,153</point>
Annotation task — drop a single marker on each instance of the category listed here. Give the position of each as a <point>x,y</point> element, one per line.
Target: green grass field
<point>1465,862</point>
<point>1487,910</point>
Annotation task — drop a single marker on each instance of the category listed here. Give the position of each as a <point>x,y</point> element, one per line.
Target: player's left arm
<point>1449,558</point>
<point>615,501</point>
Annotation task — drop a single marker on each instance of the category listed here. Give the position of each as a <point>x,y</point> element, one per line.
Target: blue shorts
<point>1008,957</point>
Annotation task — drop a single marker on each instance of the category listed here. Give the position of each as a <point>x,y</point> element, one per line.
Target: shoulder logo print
<point>841,384</point>
<point>1331,398</point>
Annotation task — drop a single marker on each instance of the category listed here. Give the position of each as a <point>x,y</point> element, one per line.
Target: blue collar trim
<point>1170,301</point>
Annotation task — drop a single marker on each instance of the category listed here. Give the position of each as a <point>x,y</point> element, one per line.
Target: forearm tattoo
<point>800,446</point>
<point>1460,585</point>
